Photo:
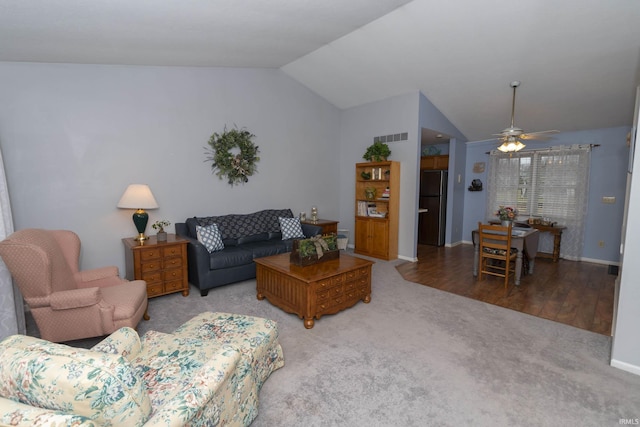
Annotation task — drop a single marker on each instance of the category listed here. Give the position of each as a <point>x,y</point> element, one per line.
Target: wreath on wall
<point>233,154</point>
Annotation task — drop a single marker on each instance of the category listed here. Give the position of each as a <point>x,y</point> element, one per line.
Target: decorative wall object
<point>235,167</point>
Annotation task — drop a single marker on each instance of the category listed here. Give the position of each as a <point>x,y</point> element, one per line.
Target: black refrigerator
<point>432,208</point>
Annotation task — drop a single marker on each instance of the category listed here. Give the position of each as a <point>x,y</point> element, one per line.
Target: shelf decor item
<point>377,152</point>
<point>370,193</point>
<point>227,163</point>
<point>314,250</point>
<point>160,225</point>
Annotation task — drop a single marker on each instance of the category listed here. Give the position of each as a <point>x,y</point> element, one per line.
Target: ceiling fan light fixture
<point>511,145</point>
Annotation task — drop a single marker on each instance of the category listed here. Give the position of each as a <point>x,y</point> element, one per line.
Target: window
<point>550,183</point>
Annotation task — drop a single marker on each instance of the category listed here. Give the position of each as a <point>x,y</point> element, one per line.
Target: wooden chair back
<point>497,258</point>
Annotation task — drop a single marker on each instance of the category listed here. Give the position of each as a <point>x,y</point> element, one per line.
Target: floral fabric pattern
<point>207,373</point>
<point>125,342</point>
<point>99,386</point>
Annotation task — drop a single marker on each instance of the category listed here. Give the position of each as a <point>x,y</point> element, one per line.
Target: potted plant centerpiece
<point>377,152</point>
<point>160,225</point>
<point>313,250</point>
<point>507,214</point>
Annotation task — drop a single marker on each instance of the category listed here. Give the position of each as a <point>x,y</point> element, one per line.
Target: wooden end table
<point>315,290</point>
<point>328,226</point>
<point>163,265</point>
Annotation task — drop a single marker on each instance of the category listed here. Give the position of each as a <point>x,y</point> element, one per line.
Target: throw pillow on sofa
<point>291,228</point>
<point>210,237</point>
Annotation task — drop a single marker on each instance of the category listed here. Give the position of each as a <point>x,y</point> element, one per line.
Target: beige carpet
<point>417,356</point>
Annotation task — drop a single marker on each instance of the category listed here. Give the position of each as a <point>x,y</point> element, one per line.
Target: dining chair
<point>497,257</point>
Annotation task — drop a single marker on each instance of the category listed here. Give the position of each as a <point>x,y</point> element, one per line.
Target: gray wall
<point>74,136</point>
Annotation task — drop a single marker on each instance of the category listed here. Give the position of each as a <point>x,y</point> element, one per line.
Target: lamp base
<point>140,218</point>
<point>140,238</point>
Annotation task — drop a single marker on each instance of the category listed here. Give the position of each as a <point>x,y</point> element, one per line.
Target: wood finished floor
<point>579,294</point>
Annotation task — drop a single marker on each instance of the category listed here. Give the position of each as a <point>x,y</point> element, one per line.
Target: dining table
<point>523,239</point>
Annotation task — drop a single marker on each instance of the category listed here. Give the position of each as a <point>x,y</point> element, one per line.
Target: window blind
<point>550,183</point>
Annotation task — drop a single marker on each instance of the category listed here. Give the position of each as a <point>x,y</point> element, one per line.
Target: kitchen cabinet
<point>434,162</point>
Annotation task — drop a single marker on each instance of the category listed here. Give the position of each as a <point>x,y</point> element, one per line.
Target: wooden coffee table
<point>315,290</point>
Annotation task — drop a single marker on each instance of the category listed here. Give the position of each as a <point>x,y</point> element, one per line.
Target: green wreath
<point>236,167</point>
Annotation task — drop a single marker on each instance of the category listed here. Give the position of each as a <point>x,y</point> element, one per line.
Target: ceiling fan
<point>513,136</point>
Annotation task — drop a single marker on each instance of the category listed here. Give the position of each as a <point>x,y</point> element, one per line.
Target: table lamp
<point>139,197</point>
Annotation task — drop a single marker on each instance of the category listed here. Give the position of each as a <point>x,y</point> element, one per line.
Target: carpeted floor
<point>417,356</point>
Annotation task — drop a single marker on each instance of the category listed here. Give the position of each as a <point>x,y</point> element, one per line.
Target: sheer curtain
<point>552,183</point>
<point>11,305</point>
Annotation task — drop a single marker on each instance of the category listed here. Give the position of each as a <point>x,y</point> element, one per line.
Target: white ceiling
<point>578,60</point>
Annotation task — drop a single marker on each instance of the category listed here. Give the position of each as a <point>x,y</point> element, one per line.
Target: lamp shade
<point>138,196</point>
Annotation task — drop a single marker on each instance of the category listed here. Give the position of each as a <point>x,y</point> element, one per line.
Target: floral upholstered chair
<point>207,373</point>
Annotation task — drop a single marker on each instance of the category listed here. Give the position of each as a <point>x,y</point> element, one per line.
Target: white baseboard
<point>625,366</point>
<point>599,261</point>
<point>407,258</point>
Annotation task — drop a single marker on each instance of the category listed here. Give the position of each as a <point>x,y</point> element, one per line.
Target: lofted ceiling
<point>578,60</point>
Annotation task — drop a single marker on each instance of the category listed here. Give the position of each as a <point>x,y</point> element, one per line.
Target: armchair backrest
<point>39,263</point>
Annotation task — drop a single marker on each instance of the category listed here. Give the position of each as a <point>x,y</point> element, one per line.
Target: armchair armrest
<point>125,342</point>
<point>199,260</point>
<point>201,390</point>
<point>75,298</point>
<point>98,273</point>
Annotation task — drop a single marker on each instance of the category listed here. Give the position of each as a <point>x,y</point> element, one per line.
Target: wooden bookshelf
<point>377,208</point>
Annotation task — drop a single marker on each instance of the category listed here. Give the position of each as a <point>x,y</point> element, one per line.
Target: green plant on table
<point>317,245</point>
<point>160,225</point>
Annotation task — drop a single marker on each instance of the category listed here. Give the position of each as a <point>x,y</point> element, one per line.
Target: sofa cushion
<point>100,386</point>
<point>268,248</point>
<point>291,228</point>
<point>232,256</point>
<point>210,237</point>
<point>253,238</point>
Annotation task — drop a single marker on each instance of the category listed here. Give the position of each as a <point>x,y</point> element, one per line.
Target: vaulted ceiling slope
<point>578,60</point>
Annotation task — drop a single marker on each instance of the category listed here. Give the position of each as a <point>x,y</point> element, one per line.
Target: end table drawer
<point>173,286</point>
<point>145,267</point>
<point>172,251</point>
<point>155,289</point>
<point>173,263</point>
<point>174,274</point>
<point>148,254</point>
<point>151,277</point>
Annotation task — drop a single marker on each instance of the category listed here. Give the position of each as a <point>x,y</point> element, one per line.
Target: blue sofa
<point>245,237</point>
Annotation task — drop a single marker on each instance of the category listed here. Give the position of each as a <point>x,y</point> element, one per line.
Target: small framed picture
<point>478,167</point>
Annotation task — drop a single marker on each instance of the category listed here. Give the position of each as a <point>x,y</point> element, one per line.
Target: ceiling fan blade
<point>541,135</point>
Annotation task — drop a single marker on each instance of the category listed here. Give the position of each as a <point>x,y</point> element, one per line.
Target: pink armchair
<point>68,304</point>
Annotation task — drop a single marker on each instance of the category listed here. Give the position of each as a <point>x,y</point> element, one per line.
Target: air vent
<point>392,138</point>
